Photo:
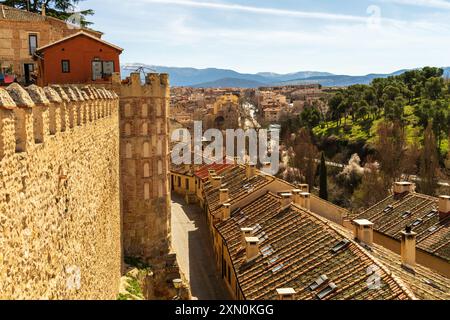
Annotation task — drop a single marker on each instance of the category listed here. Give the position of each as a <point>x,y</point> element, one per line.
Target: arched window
<point>128,151</point>
<point>158,109</point>
<point>146,150</point>
<point>146,191</point>
<point>127,129</point>
<point>128,111</point>
<point>146,170</point>
<point>144,129</point>
<point>158,127</point>
<point>160,168</point>
<point>159,148</point>
<point>144,110</point>
<point>160,190</point>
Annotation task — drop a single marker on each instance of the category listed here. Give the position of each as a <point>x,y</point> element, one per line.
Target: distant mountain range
<point>221,78</point>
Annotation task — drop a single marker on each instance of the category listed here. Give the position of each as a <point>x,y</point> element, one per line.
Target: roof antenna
<point>139,68</point>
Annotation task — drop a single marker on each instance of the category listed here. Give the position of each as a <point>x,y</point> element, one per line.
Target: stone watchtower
<point>144,163</point>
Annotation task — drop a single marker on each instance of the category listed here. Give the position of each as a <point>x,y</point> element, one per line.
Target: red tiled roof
<point>203,172</point>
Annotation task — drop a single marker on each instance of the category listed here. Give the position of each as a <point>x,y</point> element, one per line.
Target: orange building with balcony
<point>79,58</point>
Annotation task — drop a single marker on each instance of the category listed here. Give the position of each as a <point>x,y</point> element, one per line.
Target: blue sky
<point>338,36</point>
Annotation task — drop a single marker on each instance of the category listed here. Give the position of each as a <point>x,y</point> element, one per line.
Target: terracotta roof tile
<point>391,215</point>
<point>296,249</point>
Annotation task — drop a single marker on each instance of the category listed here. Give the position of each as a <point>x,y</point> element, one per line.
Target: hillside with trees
<point>394,128</point>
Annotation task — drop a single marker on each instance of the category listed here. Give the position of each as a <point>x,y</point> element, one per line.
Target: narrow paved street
<point>192,243</point>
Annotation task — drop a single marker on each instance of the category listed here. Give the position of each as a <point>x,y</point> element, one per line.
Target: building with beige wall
<point>273,240</point>
<point>428,217</point>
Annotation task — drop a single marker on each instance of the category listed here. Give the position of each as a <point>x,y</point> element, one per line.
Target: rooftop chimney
<point>245,232</point>
<point>296,196</point>
<point>250,170</point>
<point>286,199</point>
<point>251,248</point>
<point>304,187</point>
<point>43,10</point>
<point>403,187</point>
<point>363,231</point>
<point>224,195</point>
<point>211,173</point>
<point>305,200</point>
<point>286,293</point>
<point>226,211</point>
<point>216,181</point>
<point>444,207</point>
<point>408,247</point>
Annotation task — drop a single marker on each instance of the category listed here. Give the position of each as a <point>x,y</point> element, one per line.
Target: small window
<point>406,214</point>
<point>108,68</point>
<point>65,65</point>
<point>340,245</point>
<point>329,289</point>
<point>318,282</point>
<point>187,184</point>
<point>32,43</point>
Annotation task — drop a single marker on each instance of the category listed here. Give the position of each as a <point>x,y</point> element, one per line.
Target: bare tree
<point>372,188</point>
<point>391,150</point>
<point>305,156</point>
<point>429,163</point>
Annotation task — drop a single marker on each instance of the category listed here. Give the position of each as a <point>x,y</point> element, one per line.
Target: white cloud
<point>438,4</point>
<point>261,10</point>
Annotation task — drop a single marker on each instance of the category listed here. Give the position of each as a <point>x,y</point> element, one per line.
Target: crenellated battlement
<point>60,230</point>
<point>155,85</point>
<point>31,115</point>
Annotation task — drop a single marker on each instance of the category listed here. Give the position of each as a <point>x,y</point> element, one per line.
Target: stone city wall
<point>60,220</point>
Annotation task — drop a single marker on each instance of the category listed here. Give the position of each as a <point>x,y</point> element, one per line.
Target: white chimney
<point>444,207</point>
<point>226,211</point>
<point>408,247</point>
<point>250,170</point>
<point>224,195</point>
<point>251,248</point>
<point>245,233</point>
<point>286,199</point>
<point>286,293</point>
<point>403,187</point>
<point>363,231</point>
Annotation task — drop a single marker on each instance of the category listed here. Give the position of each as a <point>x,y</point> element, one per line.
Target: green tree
<point>323,192</point>
<point>433,88</point>
<point>61,9</point>
<point>310,117</point>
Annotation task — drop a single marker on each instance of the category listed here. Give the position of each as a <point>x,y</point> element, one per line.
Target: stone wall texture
<point>60,220</point>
